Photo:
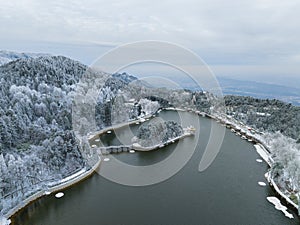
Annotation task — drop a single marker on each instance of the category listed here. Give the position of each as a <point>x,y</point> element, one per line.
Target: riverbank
<point>267,158</point>
<point>249,134</point>
<point>62,184</point>
<point>118,126</point>
<point>137,147</point>
<point>265,153</point>
<point>261,148</point>
<point>73,181</point>
<point>70,180</point>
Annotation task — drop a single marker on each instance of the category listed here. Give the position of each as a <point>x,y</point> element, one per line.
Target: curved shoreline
<point>263,147</point>
<point>56,188</point>
<point>265,154</point>
<point>89,172</point>
<point>6,218</point>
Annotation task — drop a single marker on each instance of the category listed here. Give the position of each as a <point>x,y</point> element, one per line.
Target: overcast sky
<point>237,38</point>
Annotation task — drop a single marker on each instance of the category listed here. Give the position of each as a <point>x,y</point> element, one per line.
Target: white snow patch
<point>267,176</point>
<point>47,192</point>
<point>262,152</point>
<point>131,151</point>
<point>260,114</point>
<point>59,195</point>
<point>94,146</point>
<point>136,145</point>
<point>275,201</point>
<point>106,159</point>
<point>263,184</point>
<point>73,176</point>
<point>259,160</point>
<point>4,221</point>
<point>97,140</point>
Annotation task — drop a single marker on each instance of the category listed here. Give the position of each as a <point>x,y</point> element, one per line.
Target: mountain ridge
<point>9,56</point>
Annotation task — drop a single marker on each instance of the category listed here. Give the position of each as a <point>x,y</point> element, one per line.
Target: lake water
<point>227,193</point>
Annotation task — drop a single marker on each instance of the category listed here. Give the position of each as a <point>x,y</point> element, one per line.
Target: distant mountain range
<point>8,56</point>
<point>229,86</point>
<point>260,90</point>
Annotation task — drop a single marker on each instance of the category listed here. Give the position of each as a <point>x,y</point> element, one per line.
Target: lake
<point>227,193</point>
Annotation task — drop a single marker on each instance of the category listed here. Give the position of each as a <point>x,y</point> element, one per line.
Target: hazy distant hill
<point>7,56</point>
<point>260,90</point>
<point>247,88</point>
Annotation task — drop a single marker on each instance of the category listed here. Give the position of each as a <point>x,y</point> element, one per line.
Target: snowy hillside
<point>37,141</point>
<point>7,56</point>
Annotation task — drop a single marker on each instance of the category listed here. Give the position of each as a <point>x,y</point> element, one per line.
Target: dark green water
<point>226,193</point>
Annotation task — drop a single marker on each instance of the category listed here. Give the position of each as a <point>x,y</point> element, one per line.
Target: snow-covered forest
<point>286,168</point>
<point>265,115</point>
<point>37,144</point>
<point>37,140</point>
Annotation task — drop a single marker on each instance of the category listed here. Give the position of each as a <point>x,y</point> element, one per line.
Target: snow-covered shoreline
<point>71,180</point>
<point>161,145</point>
<point>260,147</point>
<point>263,154</point>
<point>117,126</point>
<point>275,186</point>
<point>62,184</point>
<point>263,151</point>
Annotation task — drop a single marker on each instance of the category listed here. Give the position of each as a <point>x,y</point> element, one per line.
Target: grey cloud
<point>242,32</point>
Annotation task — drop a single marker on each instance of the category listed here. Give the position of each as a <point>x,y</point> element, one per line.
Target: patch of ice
<point>263,184</point>
<point>59,195</point>
<point>259,160</point>
<point>276,202</point>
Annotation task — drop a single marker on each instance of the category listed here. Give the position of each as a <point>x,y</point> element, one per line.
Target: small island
<point>159,134</point>
<point>150,136</point>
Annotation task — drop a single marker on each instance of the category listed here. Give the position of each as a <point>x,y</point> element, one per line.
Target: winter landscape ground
<point>38,147</point>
